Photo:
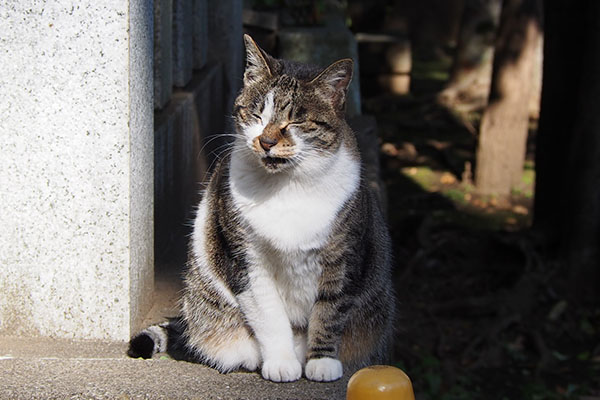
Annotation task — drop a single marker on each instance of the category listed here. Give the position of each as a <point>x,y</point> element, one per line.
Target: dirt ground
<point>484,314</point>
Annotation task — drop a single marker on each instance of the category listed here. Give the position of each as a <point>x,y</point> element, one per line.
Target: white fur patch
<point>300,347</point>
<point>235,354</point>
<point>267,112</point>
<point>159,336</point>
<point>265,313</point>
<point>324,369</point>
<point>296,278</point>
<point>294,210</point>
<point>199,251</point>
<point>256,129</point>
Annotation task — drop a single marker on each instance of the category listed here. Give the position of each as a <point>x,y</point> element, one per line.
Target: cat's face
<point>288,114</point>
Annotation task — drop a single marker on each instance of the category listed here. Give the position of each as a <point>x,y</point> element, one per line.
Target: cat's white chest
<point>294,215</point>
<point>294,218</point>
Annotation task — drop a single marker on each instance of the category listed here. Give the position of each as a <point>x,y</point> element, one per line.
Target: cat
<point>289,264</point>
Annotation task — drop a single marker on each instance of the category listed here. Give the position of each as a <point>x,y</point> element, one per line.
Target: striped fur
<point>289,262</point>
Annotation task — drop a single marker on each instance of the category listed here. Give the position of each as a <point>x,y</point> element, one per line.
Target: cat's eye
<point>245,113</point>
<point>241,110</point>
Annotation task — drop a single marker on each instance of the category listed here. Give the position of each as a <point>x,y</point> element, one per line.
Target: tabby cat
<point>289,262</point>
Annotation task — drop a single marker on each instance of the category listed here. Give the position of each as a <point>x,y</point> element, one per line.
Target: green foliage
<point>436,70</point>
<point>457,195</point>
<point>528,177</point>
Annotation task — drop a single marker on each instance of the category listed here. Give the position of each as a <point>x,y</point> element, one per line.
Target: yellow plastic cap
<point>380,382</point>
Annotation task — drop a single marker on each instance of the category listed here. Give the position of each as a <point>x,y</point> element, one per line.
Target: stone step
<point>63,369</point>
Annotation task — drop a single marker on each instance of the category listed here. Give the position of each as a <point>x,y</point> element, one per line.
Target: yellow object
<point>380,382</point>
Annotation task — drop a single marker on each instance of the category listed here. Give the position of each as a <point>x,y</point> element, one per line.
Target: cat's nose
<point>266,142</point>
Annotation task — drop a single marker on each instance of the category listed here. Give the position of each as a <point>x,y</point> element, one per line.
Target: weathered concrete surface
<point>62,369</point>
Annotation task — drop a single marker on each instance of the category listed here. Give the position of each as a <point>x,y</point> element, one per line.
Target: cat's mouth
<point>274,162</point>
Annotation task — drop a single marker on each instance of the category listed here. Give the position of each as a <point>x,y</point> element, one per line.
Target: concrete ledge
<point>61,369</point>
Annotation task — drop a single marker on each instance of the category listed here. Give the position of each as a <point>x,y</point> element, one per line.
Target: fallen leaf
<point>519,209</point>
<point>559,356</point>
<point>447,178</point>
<point>557,310</point>
<point>389,149</point>
<point>409,149</point>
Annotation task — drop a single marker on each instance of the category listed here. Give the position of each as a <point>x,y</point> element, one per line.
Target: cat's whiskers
<point>224,150</point>
<point>214,137</point>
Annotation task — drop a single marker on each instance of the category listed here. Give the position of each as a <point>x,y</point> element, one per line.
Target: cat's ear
<point>333,82</point>
<point>257,62</point>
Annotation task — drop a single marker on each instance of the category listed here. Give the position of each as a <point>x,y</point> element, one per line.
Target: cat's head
<point>289,113</point>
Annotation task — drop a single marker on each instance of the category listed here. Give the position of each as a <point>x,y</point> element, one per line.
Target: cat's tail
<point>159,338</point>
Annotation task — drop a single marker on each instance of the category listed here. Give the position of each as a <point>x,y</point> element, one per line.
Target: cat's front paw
<point>324,369</point>
<point>282,369</point>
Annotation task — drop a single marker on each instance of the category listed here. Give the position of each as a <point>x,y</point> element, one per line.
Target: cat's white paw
<point>282,369</point>
<point>324,369</point>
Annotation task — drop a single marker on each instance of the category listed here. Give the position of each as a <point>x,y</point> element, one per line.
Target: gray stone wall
<point>197,75</point>
<point>308,45</point>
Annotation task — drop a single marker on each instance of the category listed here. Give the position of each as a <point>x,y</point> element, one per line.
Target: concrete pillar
<point>76,172</point>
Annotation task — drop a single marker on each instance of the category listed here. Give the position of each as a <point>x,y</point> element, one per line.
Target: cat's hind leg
<point>216,333</point>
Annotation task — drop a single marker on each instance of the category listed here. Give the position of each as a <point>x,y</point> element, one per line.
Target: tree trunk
<point>505,122</point>
<point>471,71</point>
<point>567,201</point>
